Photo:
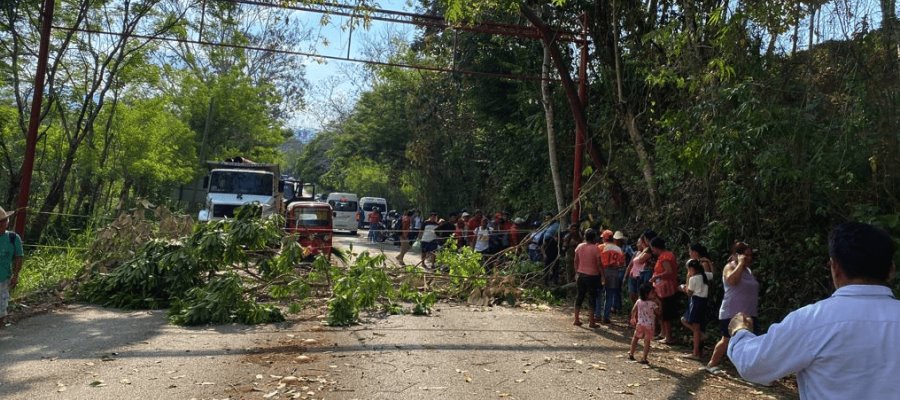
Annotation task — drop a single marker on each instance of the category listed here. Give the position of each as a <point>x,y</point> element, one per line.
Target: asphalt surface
<point>459,352</point>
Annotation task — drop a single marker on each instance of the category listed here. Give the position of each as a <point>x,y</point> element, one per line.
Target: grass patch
<point>46,269</point>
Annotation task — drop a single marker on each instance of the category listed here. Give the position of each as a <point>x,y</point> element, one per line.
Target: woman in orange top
<point>665,284</point>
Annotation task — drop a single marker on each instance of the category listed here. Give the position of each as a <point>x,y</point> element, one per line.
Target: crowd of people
<point>854,329</point>
<point>477,230</point>
<point>838,347</point>
<point>605,263</point>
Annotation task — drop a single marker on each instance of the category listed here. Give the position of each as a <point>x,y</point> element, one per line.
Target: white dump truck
<point>237,182</point>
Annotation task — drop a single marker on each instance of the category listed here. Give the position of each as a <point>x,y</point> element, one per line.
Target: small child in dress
<point>643,318</point>
<point>695,317</point>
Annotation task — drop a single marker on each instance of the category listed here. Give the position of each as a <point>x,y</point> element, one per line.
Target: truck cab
<point>238,182</point>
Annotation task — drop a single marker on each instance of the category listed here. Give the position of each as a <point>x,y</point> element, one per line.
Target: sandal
<point>631,356</point>
<point>577,323</point>
<point>690,356</point>
<point>644,361</point>
<point>714,370</point>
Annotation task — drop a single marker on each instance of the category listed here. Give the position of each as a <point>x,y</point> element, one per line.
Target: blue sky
<point>332,82</point>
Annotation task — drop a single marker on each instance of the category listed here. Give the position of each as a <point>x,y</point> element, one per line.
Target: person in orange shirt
<point>612,259</point>
<point>405,225</point>
<point>374,219</point>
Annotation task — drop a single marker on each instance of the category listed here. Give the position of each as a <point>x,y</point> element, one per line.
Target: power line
<point>516,77</point>
<point>378,14</point>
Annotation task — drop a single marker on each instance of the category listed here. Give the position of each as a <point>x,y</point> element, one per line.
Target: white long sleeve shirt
<point>844,347</point>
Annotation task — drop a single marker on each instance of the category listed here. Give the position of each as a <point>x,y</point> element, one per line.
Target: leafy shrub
<point>160,271</point>
<point>359,288</point>
<point>213,275</point>
<point>543,296</point>
<point>466,269</point>
<point>422,302</point>
<point>221,300</point>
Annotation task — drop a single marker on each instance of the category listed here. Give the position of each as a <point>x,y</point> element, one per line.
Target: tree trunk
<point>891,27</point>
<point>630,121</point>
<point>551,134</point>
<point>565,77</point>
<point>15,180</point>
<point>812,28</point>
<point>53,197</point>
<point>637,140</point>
<point>123,195</point>
<point>796,37</point>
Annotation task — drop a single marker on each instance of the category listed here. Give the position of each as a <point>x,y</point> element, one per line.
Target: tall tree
<point>85,70</point>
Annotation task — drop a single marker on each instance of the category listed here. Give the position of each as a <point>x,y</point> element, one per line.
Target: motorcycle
<point>388,230</point>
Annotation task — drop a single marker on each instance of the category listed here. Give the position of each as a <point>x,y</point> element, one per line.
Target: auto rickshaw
<point>312,222</point>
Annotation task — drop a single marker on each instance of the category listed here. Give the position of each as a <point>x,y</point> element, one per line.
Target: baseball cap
<point>607,234</point>
<point>619,235</point>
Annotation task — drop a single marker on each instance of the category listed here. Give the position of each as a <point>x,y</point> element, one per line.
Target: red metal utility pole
<point>580,134</point>
<point>35,120</point>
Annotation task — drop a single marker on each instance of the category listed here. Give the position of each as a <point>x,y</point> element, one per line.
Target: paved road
<point>358,244</point>
<point>460,352</point>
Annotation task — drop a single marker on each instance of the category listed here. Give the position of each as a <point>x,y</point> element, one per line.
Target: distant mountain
<point>304,135</point>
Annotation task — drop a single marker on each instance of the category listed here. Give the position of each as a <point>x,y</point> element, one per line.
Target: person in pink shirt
<point>587,274</point>
<point>643,318</point>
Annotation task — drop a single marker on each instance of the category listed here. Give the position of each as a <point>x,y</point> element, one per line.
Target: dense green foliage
<point>360,287</point>
<point>465,267</point>
<point>52,266</point>
<point>213,275</point>
<point>221,300</point>
<point>158,273</point>
<point>235,270</point>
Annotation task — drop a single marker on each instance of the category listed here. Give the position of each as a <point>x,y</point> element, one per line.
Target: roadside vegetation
<point>767,122</point>
<point>246,270</point>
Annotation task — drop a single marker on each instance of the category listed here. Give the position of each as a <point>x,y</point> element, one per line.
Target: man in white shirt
<point>843,347</point>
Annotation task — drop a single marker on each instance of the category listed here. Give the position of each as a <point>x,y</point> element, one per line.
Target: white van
<point>345,206</point>
<point>368,204</point>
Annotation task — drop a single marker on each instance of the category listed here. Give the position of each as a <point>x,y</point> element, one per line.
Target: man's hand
<point>738,322</point>
<point>13,282</point>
